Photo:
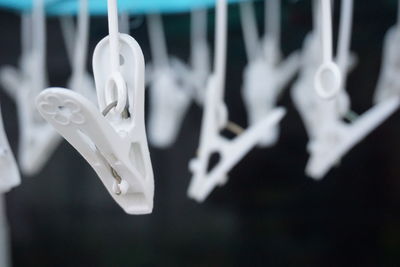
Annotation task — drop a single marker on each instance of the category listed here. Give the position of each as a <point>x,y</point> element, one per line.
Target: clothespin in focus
<point>113,140</point>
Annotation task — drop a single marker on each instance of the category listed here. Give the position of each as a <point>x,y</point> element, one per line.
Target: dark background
<point>268,214</point>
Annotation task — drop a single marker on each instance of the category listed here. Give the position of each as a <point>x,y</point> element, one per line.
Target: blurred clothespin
<point>324,109</point>
<point>389,81</point>
<point>77,42</point>
<point>174,84</point>
<point>215,119</point>
<point>37,139</point>
<point>266,74</point>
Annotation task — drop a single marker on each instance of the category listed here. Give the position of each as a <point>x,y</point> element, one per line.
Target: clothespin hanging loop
<point>328,79</point>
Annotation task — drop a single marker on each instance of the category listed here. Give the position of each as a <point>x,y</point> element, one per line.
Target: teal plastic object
<point>99,7</point>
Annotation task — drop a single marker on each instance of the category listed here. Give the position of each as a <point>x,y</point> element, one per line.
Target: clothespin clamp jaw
<point>9,174</point>
<point>337,138</point>
<point>212,142</point>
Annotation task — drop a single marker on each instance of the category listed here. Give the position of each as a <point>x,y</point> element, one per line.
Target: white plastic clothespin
<point>173,84</point>
<point>9,178</point>
<point>334,138</point>
<point>169,99</point>
<point>77,45</point>
<point>37,139</point>
<point>113,141</point>
<point>266,74</point>
<point>215,119</point>
<point>9,174</point>
<point>4,235</point>
<point>389,81</point>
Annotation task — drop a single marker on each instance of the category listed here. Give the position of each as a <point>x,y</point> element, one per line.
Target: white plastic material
<point>266,74</point>
<point>336,137</point>
<point>9,178</point>
<point>115,145</point>
<point>389,81</point>
<point>169,99</point>
<point>330,137</point>
<point>173,84</point>
<point>215,119</point>
<point>4,236</point>
<point>328,80</point>
<point>37,139</point>
<point>9,174</point>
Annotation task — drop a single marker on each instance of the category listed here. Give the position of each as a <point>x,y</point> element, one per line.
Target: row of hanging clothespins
<point>102,116</point>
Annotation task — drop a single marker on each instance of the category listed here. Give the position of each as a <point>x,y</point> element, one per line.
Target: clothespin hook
<point>328,78</point>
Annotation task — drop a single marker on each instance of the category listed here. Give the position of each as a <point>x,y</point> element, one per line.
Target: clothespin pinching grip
<point>113,141</point>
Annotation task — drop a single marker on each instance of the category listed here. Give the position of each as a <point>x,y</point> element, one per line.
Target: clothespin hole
<point>213,161</point>
<point>121,60</point>
<point>116,91</point>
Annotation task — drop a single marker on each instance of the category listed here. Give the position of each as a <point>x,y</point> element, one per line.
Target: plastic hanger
<point>77,45</point>
<point>215,119</point>
<point>266,74</point>
<point>389,83</point>
<point>113,140</point>
<point>173,84</point>
<point>37,139</point>
<point>333,137</point>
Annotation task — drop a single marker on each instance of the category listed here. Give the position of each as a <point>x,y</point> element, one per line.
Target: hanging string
<point>273,21</point>
<point>113,34</point>
<point>220,45</point>
<point>82,39</point>
<point>158,44</point>
<point>249,29</point>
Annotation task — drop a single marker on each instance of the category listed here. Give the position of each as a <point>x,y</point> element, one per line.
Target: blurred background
<point>268,214</point>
